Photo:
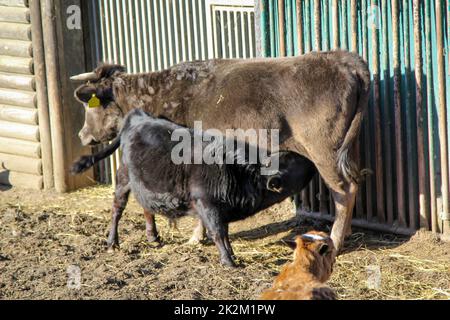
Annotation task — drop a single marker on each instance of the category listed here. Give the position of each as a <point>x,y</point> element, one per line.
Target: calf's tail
<point>86,162</point>
<point>347,166</point>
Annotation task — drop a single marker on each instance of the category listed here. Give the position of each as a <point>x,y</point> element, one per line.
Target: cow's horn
<point>84,76</point>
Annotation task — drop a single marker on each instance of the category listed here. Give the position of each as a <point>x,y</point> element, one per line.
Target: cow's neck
<point>162,93</point>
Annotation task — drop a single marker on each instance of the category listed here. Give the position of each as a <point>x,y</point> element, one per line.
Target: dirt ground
<point>45,237</point>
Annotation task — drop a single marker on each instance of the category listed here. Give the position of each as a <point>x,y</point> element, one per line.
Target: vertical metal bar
<point>299,9</point>
<point>202,29</point>
<point>354,29</point>
<point>377,117</point>
<point>289,26</point>
<point>410,143</point>
<point>354,26</point>
<point>367,126</point>
<point>244,41</point>
<point>431,152</point>
<point>421,165</point>
<point>113,34</point>
<point>197,53</point>
<point>127,40</point>
<point>163,34</point>
<point>365,29</point>
<point>442,116</point>
<point>335,24</point>
<point>120,34</point>
<point>159,62</point>
<point>216,41</point>
<point>317,26</point>
<point>344,24</point>
<point>145,23</point>
<point>131,32</point>
<point>387,116</point>
<point>108,30</point>
<point>188,29</point>
<point>326,26</point>
<point>281,28</point>
<point>153,65</point>
<point>140,51</point>
<point>176,31</point>
<point>401,208</point>
<point>237,33</point>
<point>230,44</point>
<point>250,34</point>
<point>170,32</point>
<point>222,31</point>
<point>307,13</point>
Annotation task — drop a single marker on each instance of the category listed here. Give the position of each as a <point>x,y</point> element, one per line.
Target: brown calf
<point>304,278</point>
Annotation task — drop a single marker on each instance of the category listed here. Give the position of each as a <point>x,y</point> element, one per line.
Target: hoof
<point>228,263</point>
<point>112,249</point>
<point>194,241</point>
<point>154,239</point>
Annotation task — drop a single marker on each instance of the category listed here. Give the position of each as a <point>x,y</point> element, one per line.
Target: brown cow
<point>317,101</point>
<point>304,278</point>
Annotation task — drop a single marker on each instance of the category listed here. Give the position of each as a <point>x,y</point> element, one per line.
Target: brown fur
<point>317,101</point>
<point>304,278</point>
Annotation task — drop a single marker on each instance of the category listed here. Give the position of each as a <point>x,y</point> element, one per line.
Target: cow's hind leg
<point>344,203</point>
<point>344,195</point>
<point>121,195</point>
<point>150,227</point>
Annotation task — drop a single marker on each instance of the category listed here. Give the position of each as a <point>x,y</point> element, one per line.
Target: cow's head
<point>102,121</point>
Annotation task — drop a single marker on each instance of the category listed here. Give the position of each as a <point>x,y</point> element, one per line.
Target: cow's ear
<point>109,70</point>
<point>86,92</point>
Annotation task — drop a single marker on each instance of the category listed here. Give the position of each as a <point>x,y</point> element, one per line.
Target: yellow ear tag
<point>94,102</point>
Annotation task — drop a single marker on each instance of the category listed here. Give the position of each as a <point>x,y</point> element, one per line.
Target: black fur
<point>218,194</point>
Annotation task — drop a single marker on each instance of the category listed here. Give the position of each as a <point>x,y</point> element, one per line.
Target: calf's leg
<point>218,231</point>
<point>121,195</point>
<point>198,234</point>
<point>150,227</point>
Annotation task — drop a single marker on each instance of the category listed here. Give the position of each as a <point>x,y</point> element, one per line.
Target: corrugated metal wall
<point>404,138</point>
<point>20,149</point>
<point>150,35</point>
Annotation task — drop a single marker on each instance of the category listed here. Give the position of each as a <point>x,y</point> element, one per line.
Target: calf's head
<point>102,119</point>
<point>293,174</point>
<point>314,251</point>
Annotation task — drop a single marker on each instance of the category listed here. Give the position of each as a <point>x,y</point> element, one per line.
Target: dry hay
<point>58,230</point>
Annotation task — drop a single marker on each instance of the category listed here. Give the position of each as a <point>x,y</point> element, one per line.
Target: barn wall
<point>39,118</point>
<point>404,138</point>
<point>20,143</point>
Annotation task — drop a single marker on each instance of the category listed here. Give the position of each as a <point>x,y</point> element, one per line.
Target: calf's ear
<point>291,243</point>
<point>323,249</point>
<point>274,184</point>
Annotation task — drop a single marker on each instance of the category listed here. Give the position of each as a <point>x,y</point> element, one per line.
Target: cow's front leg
<point>211,219</point>
<point>150,227</point>
<point>121,195</point>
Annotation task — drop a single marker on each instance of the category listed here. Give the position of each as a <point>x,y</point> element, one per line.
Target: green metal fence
<point>404,138</point>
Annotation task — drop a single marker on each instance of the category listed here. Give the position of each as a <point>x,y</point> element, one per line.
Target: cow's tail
<point>86,162</point>
<point>347,166</point>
